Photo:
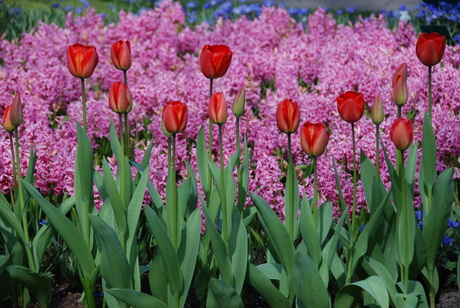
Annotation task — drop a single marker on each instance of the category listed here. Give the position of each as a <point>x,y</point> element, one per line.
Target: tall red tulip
<point>13,116</point>
<point>351,106</point>
<point>401,133</point>
<point>82,60</point>
<point>7,120</point>
<point>175,116</point>
<point>218,108</point>
<point>215,60</point>
<point>399,93</point>
<point>314,138</point>
<point>430,48</point>
<point>288,116</point>
<point>121,55</point>
<point>120,99</point>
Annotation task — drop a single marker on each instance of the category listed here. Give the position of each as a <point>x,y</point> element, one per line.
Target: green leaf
<point>66,230</point>
<point>271,270</point>
<point>158,281</point>
<point>291,202</point>
<point>243,181</point>
<point>350,295</point>
<point>375,268</point>
<point>262,284</point>
<point>114,195</point>
<point>136,299</point>
<point>308,284</point>
<point>416,296</point>
<point>325,221</point>
<point>112,256</point>
<point>283,248</point>
<point>6,283</point>
<point>38,284</point>
<point>427,176</point>
<point>221,294</point>
<point>41,242</point>
<point>202,163</point>
<point>115,143</point>
<point>309,232</point>
<point>238,246</point>
<point>167,252</point>
<point>12,220</point>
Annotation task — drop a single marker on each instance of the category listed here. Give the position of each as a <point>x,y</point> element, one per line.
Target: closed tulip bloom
<point>351,106</point>
<point>16,115</point>
<point>377,110</point>
<point>238,103</point>
<point>401,133</point>
<point>218,108</point>
<point>82,60</point>
<point>120,99</point>
<point>7,120</point>
<point>430,48</point>
<point>121,55</point>
<point>401,71</point>
<point>175,116</point>
<point>314,138</point>
<point>399,93</point>
<point>215,60</point>
<point>288,116</point>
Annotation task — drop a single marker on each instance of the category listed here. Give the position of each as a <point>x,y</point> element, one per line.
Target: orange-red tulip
<point>401,133</point>
<point>120,99</point>
<point>7,120</point>
<point>399,93</point>
<point>175,116</point>
<point>121,55</point>
<point>430,48</point>
<point>13,116</point>
<point>218,108</point>
<point>351,106</point>
<point>288,116</point>
<point>314,138</point>
<point>215,60</point>
<point>82,60</point>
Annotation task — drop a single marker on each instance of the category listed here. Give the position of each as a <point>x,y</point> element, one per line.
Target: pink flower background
<point>329,58</point>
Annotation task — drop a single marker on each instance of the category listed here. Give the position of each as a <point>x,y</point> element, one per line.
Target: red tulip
<point>13,116</point>
<point>399,93</point>
<point>314,138</point>
<point>120,99</point>
<point>401,133</point>
<point>218,108</point>
<point>82,60</point>
<point>175,116</point>
<point>351,106</point>
<point>121,55</point>
<point>430,48</point>
<point>288,116</point>
<point>215,60</point>
<point>377,110</point>
<point>401,71</point>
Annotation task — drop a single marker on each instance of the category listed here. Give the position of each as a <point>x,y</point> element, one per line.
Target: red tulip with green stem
<point>81,62</point>
<point>351,108</point>
<point>377,118</point>
<point>430,50</point>
<point>400,93</point>
<point>238,111</point>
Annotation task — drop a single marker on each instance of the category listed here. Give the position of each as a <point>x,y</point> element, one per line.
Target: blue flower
<point>79,10</point>
<point>43,222</point>
<point>55,5</point>
<point>420,225</point>
<point>419,215</point>
<point>191,17</point>
<point>421,14</point>
<point>447,241</point>
<point>403,8</point>
<point>361,228</point>
<point>292,11</point>
<point>351,9</point>
<point>339,12</point>
<point>453,223</point>
<point>457,39</point>
<point>111,7</point>
<point>207,5</point>
<point>192,5</point>
<point>303,11</point>
<point>268,3</point>
<point>67,8</point>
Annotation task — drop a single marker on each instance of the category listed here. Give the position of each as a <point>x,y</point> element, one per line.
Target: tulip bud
<point>7,120</point>
<point>82,60</point>
<point>377,110</point>
<point>215,60</point>
<point>314,138</point>
<point>218,108</point>
<point>16,115</point>
<point>120,99</point>
<point>401,133</point>
<point>288,116</point>
<point>121,55</point>
<point>175,116</point>
<point>238,103</point>
<point>351,106</point>
<point>430,48</point>
<point>399,93</point>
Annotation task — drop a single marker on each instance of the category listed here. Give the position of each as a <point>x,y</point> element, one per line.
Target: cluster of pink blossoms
<point>274,58</point>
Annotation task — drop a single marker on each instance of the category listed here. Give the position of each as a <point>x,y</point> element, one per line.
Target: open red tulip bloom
<point>82,60</point>
<point>401,133</point>
<point>430,48</point>
<point>175,116</point>
<point>314,138</point>
<point>215,60</point>
<point>351,106</point>
<point>288,116</point>
<point>121,55</point>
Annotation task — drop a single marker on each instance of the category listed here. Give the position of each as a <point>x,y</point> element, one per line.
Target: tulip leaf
<point>202,163</point>
<point>262,284</point>
<point>167,252</point>
<point>41,242</point>
<point>155,196</point>
<point>37,283</point>
<point>115,142</point>
<point>238,246</point>
<point>136,299</point>
<point>243,180</point>
<point>221,294</point>
<point>291,202</point>
<point>309,232</point>
<point>114,195</point>
<point>373,285</point>
<point>375,268</point>
<point>427,174</point>
<point>7,215</point>
<point>308,284</point>
<point>158,281</point>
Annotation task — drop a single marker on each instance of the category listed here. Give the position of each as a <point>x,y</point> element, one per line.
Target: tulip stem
<point>13,162</point>
<point>210,122</point>
<point>175,205</point>
<point>353,214</point>
<point>125,77</point>
<point>241,197</point>
<point>127,150</point>
<point>315,189</point>
<point>399,111</point>
<point>430,94</point>
<point>290,215</point>
<point>377,151</point>
<point>83,101</point>
<point>222,188</point>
